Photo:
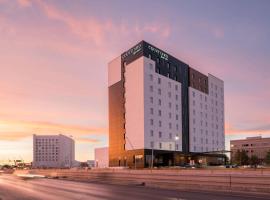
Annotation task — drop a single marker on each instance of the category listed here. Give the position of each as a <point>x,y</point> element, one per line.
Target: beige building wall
<point>252,145</point>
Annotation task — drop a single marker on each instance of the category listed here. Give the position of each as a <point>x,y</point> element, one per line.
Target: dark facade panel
<point>198,81</point>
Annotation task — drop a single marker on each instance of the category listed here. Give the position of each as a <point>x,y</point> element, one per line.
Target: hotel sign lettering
<point>160,53</point>
<point>133,51</point>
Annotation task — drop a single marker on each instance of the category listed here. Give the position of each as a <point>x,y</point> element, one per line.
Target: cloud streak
<point>100,32</point>
<point>262,130</point>
<point>17,130</point>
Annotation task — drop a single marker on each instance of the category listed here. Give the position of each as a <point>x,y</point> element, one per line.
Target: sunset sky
<point>54,55</point>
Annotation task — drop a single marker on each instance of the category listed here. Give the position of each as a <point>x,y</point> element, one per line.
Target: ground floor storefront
<point>148,158</point>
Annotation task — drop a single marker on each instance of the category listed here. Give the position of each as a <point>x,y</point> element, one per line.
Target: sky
<point>54,55</point>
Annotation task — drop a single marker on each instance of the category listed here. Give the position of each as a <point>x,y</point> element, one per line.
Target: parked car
<point>231,166</point>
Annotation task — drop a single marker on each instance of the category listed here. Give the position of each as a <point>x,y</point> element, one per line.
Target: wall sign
<point>132,51</point>
<point>160,53</point>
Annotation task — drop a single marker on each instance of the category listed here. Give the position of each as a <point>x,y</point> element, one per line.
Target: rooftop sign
<point>160,53</point>
<point>132,51</point>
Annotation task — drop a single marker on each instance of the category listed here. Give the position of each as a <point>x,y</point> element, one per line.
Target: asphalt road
<point>14,188</point>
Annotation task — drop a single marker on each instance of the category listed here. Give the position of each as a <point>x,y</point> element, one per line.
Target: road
<point>14,188</point>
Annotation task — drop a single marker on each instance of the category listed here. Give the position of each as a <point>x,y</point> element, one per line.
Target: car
<point>231,166</point>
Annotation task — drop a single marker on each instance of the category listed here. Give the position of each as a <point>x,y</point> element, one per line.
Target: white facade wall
<point>53,151</point>
<point>153,108</point>
<point>134,105</point>
<point>206,117</point>
<point>102,157</point>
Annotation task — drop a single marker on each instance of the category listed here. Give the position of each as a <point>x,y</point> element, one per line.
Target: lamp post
<point>176,138</point>
<point>152,160</point>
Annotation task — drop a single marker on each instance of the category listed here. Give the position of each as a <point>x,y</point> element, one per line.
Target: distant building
<point>252,145</point>
<point>53,151</point>
<point>102,157</point>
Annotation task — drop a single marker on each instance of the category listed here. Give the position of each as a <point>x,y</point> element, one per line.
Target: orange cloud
<point>230,130</point>
<point>87,140</point>
<point>16,130</point>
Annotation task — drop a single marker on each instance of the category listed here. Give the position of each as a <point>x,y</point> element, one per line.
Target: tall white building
<point>161,110</point>
<point>53,151</point>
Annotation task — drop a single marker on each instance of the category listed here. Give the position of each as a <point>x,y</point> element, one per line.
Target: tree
<point>254,160</point>
<point>267,158</point>
<point>237,157</point>
<point>241,157</point>
<point>244,158</point>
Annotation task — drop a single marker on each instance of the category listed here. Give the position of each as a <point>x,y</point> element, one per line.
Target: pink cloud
<point>101,32</point>
<point>218,32</point>
<point>18,129</point>
<point>212,29</point>
<point>24,3</point>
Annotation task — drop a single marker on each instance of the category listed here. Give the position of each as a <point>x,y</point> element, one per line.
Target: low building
<point>102,157</point>
<point>53,151</point>
<point>252,145</point>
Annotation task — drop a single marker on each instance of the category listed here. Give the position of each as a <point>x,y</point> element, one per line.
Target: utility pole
<point>175,139</point>
<point>152,161</point>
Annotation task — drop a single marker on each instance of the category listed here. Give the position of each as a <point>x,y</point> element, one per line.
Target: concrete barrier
<point>254,180</point>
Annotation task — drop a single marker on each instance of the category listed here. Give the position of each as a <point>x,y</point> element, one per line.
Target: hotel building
<point>161,111</point>
<point>53,151</point>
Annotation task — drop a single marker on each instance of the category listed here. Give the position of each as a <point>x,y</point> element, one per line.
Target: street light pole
<point>152,160</point>
<point>175,139</point>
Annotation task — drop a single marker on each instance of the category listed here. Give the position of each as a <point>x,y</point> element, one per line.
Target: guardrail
<point>227,180</point>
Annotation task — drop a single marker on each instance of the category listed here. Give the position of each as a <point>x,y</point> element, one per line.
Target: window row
<point>206,132</point>
<point>160,146</point>
<point>205,115</point>
<point>159,92</point>
<point>206,141</point>
<point>160,135</point>
<point>159,81</point>
<point>202,123</point>
<point>160,103</point>
<point>216,87</point>
<point>204,149</point>
<point>160,124</point>
<point>160,112</point>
